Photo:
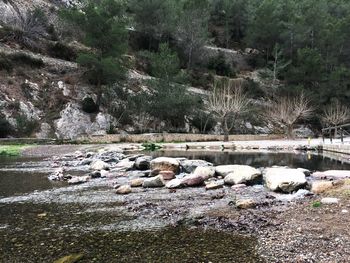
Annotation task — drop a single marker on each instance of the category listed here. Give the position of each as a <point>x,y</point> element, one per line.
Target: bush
<point>220,66</point>
<point>5,64</point>
<point>25,127</point>
<point>27,28</point>
<point>25,59</point>
<point>203,121</point>
<point>89,106</point>
<point>5,127</point>
<point>62,51</point>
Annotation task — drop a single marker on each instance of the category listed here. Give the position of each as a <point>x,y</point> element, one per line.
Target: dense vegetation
<point>300,47</point>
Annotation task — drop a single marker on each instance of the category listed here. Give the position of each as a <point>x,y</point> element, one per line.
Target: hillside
<point>48,92</point>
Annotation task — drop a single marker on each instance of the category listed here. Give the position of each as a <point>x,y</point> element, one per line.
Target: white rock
<point>99,165</point>
<point>241,174</point>
<point>284,179</point>
<point>329,200</point>
<point>204,171</point>
<point>175,183</point>
<point>125,164</point>
<point>74,122</point>
<point>79,179</point>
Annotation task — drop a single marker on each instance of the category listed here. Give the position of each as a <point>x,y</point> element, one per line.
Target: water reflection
<point>262,159</point>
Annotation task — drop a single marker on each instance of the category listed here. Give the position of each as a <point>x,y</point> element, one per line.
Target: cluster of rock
<point>172,173</point>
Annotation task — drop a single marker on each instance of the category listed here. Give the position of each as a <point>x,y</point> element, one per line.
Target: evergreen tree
<point>104,26</point>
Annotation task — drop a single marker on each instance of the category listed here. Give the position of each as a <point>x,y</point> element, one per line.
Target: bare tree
<point>285,112</point>
<point>335,114</point>
<point>227,102</point>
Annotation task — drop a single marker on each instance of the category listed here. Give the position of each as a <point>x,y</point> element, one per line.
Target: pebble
<point>329,200</point>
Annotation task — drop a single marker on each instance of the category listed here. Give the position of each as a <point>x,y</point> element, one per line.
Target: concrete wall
<point>172,137</point>
<point>337,148</point>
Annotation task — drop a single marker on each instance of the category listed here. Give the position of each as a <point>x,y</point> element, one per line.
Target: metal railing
<point>339,131</point>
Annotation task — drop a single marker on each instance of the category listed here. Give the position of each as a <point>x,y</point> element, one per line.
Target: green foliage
<point>155,18</point>
<point>220,66</point>
<point>149,146</point>
<point>316,204</point>
<point>167,99</point>
<point>192,29</point>
<point>170,102</point>
<point>11,150</point>
<point>104,25</point>
<point>165,64</point>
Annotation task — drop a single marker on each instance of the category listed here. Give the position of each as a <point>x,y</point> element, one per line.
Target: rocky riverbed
<point>284,214</point>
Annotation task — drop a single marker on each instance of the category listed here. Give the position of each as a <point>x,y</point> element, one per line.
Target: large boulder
<point>190,165</point>
<point>223,170</point>
<point>143,163</point>
<point>152,182</point>
<point>286,180</point>
<point>242,174</point>
<point>165,164</point>
<point>204,171</point>
<point>193,180</point>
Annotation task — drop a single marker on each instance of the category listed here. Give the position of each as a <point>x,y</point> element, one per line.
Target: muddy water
<point>41,221</point>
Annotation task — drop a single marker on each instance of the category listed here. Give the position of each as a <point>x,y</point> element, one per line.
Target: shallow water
<point>44,239</point>
<point>41,221</point>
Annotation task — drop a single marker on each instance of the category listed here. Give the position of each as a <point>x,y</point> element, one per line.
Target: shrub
<point>5,127</point>
<point>5,64</point>
<point>220,66</point>
<point>203,121</point>
<point>62,51</point>
<point>89,106</point>
<point>26,127</point>
<point>27,28</point>
<point>23,58</point>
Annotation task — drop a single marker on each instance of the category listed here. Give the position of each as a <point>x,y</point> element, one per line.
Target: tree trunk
<point>226,130</point>
<point>98,93</point>
<point>290,131</point>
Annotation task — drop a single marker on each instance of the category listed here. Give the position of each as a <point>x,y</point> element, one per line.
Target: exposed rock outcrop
<point>74,122</point>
